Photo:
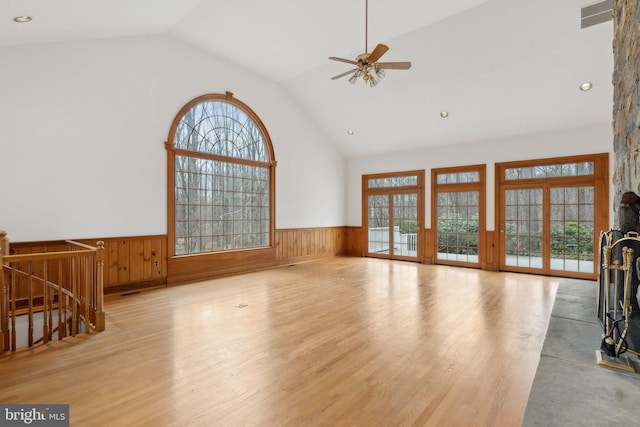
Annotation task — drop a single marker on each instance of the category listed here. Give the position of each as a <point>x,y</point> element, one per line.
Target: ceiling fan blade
<point>348,61</point>
<point>344,74</point>
<point>394,65</point>
<point>377,53</point>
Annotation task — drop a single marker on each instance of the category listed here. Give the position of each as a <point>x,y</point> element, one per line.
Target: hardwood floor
<point>335,342</point>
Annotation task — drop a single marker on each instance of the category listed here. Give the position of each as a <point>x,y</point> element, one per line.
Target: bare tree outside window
<point>550,171</point>
<point>222,180</point>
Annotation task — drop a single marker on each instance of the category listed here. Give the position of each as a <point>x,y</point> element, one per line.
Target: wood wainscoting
<point>429,256</point>
<point>303,244</point>
<point>192,268</point>
<point>491,252</point>
<point>130,263</point>
<point>138,262</point>
<point>353,242</point>
<point>291,245</point>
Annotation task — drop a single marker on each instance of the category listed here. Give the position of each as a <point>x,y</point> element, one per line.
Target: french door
<point>550,214</point>
<point>458,215</point>
<point>392,214</point>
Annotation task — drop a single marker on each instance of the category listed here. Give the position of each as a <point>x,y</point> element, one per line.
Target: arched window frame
<point>173,151</point>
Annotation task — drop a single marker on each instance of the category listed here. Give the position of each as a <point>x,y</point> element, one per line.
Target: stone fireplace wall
<point>626,98</point>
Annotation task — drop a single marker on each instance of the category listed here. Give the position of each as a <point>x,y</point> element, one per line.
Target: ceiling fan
<point>367,65</point>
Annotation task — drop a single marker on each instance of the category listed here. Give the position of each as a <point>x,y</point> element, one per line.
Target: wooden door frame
<point>419,189</point>
<point>460,187</point>
<point>599,180</point>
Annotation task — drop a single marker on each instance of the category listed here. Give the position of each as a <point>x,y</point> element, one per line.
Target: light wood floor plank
<point>338,342</point>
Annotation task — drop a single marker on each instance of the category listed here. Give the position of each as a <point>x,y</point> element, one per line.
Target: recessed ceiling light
<point>349,132</point>
<point>586,86</point>
<point>22,19</point>
<point>444,114</point>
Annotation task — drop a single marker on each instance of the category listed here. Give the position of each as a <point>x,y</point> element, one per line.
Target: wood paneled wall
<point>353,242</point>
<point>291,245</point>
<point>133,262</point>
<point>141,261</point>
<point>129,262</point>
<point>295,244</point>
<point>429,245</point>
<point>491,252</point>
<point>191,268</point>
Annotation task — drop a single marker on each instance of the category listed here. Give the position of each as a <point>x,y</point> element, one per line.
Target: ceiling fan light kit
<point>367,65</point>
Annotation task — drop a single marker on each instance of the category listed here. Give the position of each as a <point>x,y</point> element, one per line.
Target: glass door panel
<point>572,229</point>
<point>457,226</point>
<point>378,220</point>
<point>405,225</point>
<point>392,208</point>
<point>551,212</point>
<point>524,228</point>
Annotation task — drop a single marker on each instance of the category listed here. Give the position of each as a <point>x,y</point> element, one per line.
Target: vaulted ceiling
<point>500,68</point>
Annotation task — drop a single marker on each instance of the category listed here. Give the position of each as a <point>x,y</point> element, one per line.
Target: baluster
<point>99,288</point>
<point>91,267</point>
<point>89,264</point>
<point>74,299</point>
<point>79,298</point>
<point>30,303</point>
<point>61,320</point>
<point>51,317</point>
<point>92,288</point>
<point>85,293</point>
<point>45,300</point>
<point>4,298</point>
<point>13,308</point>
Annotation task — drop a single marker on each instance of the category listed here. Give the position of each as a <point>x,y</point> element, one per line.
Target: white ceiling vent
<point>596,13</point>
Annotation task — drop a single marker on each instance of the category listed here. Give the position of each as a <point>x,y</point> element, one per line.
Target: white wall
<point>592,140</point>
<point>83,126</point>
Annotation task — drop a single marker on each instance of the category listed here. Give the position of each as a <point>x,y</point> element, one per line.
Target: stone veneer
<point>626,98</point>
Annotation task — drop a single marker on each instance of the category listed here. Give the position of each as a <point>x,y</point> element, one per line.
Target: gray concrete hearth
<point>570,388</point>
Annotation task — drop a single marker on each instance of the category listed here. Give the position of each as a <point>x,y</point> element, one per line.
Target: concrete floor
<point>570,388</point>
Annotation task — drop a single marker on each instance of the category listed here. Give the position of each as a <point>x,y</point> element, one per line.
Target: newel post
<point>4,242</point>
<point>4,294</point>
<point>100,318</point>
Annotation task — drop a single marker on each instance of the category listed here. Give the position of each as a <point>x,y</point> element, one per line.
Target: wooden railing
<point>60,286</point>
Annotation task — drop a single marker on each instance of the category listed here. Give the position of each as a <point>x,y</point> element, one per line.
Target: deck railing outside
<point>404,244</point>
<point>58,288</point>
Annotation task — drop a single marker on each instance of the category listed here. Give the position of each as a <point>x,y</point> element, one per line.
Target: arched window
<point>221,172</point>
